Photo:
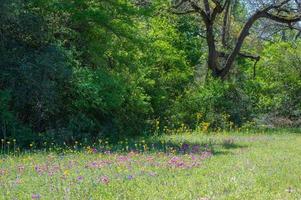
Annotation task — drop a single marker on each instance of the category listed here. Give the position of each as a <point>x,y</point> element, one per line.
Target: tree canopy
<point>75,70</point>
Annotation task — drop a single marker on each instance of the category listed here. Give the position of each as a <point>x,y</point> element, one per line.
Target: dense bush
<point>280,83</point>
<point>215,105</point>
<point>35,73</point>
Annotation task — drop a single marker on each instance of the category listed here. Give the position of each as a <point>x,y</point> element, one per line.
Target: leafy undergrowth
<point>194,166</point>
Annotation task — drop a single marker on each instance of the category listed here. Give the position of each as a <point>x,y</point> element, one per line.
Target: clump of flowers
<point>3,172</point>
<point>185,147</point>
<point>97,164</point>
<point>40,169</point>
<point>206,154</point>
<point>80,178</point>
<point>176,162</point>
<point>195,149</point>
<point>35,196</point>
<point>105,180</point>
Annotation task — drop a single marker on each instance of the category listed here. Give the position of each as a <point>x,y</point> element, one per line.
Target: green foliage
<point>10,126</point>
<point>76,70</point>
<point>280,79</point>
<point>220,105</point>
<point>34,70</point>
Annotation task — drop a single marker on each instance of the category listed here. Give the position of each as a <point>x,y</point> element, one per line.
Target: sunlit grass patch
<point>193,166</point>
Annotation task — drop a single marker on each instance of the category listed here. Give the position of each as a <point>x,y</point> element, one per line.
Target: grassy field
<point>193,166</point>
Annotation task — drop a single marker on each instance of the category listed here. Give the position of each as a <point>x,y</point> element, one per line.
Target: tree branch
<point>218,8</point>
<point>281,19</point>
<point>244,33</point>
<point>176,6</point>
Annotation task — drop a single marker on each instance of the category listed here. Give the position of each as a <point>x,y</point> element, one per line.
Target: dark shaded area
<point>140,145</point>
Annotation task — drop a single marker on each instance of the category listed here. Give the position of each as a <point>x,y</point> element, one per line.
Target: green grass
<point>243,166</point>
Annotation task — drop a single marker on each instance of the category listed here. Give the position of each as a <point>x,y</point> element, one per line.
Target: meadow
<point>150,99</point>
<point>237,165</point>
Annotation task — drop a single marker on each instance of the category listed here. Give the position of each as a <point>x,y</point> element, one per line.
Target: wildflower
<point>40,169</point>
<point>21,168</point>
<point>2,172</point>
<point>150,158</point>
<point>130,177</point>
<point>193,157</point>
<point>176,162</point>
<point>174,159</point>
<point>18,181</point>
<point>80,178</point>
<point>122,158</point>
<point>107,152</point>
<point>66,172</point>
<point>105,180</point>
<point>195,149</point>
<point>206,154</point>
<point>96,164</point>
<point>153,174</point>
<point>94,150</point>
<point>35,196</point>
<point>50,173</point>
<point>185,147</point>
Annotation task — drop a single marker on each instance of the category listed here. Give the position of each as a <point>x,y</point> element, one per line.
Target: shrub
<point>221,105</point>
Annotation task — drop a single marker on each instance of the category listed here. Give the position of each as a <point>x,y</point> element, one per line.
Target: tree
<point>222,53</point>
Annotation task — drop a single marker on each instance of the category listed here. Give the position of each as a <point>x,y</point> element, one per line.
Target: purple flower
<point>80,178</point>
<point>130,177</point>
<point>35,196</point>
<point>94,150</point>
<point>40,169</point>
<point>96,164</point>
<point>123,158</point>
<point>105,180</point>
<point>185,147</point>
<point>195,149</point>
<point>206,154</point>
<point>107,152</point>
<point>176,162</point>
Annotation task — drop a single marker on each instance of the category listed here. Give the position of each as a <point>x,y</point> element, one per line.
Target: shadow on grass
<point>142,145</point>
<point>175,147</point>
